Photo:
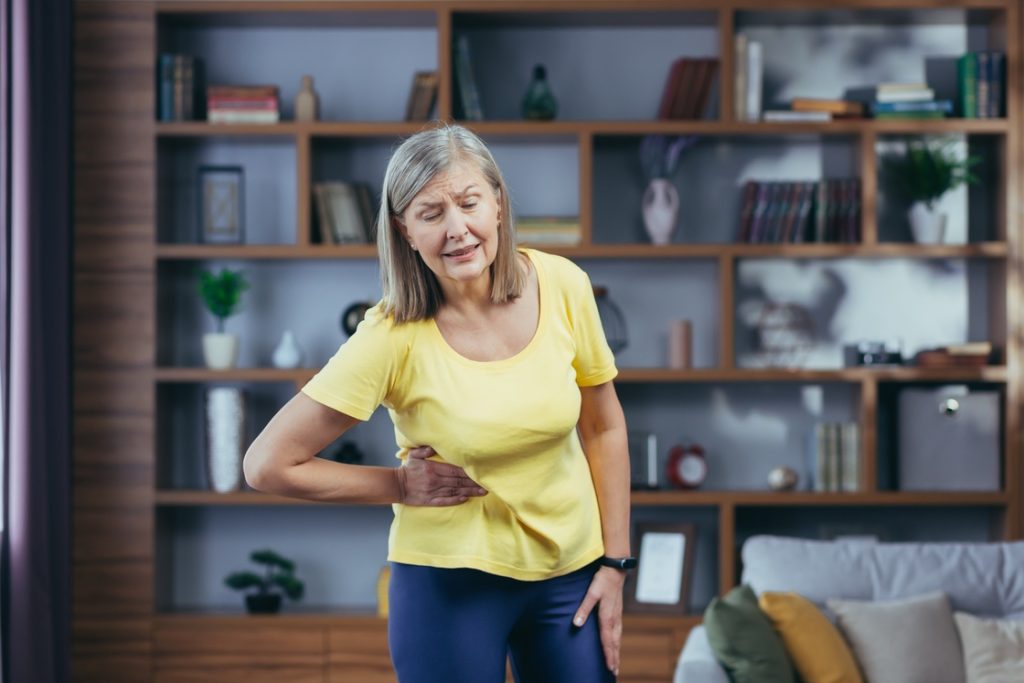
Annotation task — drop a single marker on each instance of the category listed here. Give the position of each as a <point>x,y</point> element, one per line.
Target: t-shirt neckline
<point>526,350</point>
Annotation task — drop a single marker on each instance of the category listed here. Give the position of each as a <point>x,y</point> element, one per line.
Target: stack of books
<point>816,110</point>
<point>908,101</point>
<point>836,457</point>
<point>548,230</point>
<point>980,82</point>
<point>179,91</point>
<point>242,104</point>
<point>789,212</point>
<point>687,88</point>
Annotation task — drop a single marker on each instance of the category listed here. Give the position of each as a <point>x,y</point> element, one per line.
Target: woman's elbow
<point>256,469</point>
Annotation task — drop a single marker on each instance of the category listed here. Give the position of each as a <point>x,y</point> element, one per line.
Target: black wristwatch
<point>623,563</point>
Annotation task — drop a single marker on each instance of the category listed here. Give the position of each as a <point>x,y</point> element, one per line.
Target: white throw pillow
<point>993,649</point>
<point>903,641</point>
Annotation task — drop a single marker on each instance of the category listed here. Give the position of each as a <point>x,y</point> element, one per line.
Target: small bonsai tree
<point>278,575</point>
<point>222,293</point>
<point>927,171</point>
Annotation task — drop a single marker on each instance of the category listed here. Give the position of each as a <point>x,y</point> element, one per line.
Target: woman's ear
<point>399,227</point>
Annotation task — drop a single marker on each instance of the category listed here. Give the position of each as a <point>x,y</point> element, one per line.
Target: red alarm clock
<point>687,466</point>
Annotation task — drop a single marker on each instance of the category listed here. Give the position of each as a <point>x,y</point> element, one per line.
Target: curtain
<point>35,334</point>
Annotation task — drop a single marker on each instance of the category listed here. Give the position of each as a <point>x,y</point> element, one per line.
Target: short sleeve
<point>593,361</point>
<point>361,374</point>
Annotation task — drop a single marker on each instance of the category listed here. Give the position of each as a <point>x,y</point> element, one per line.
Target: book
<point>739,96</point>
<point>236,116</point>
<point>468,98</point>
<point>967,85</point>
<point>835,107</point>
<point>422,95</point>
<point>668,93</point>
<point>339,208</point>
<point>944,106</point>
<point>785,115</point>
<point>923,94</point>
<point>755,77</point>
<point>241,91</point>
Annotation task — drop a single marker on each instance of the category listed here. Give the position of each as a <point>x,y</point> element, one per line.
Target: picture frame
<point>220,193</point>
<point>661,582</point>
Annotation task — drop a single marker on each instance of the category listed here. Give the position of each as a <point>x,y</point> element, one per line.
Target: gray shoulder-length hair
<point>410,289</point>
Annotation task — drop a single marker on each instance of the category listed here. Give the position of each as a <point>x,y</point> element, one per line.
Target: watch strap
<point>623,563</point>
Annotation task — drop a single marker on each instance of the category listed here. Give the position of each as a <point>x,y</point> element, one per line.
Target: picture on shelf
<point>221,204</point>
<point>661,584</point>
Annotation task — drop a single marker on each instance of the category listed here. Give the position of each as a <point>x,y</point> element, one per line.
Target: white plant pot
<point>928,226</point>
<point>660,210</point>
<point>220,350</point>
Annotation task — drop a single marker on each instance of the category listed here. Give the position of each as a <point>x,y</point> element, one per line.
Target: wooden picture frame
<point>661,582</point>
<point>220,198</point>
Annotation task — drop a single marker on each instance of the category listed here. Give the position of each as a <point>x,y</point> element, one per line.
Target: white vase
<point>660,210</point>
<point>220,350</point>
<point>927,225</point>
<point>225,437</point>
<point>287,355</point>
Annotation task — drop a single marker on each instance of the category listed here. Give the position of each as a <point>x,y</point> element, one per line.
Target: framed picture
<point>221,193</point>
<point>661,582</point>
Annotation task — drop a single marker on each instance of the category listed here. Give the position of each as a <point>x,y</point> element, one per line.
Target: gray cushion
<point>993,649</point>
<point>903,641</point>
<point>697,662</point>
<point>981,578</point>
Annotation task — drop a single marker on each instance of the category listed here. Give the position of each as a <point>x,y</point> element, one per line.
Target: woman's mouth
<point>463,253</point>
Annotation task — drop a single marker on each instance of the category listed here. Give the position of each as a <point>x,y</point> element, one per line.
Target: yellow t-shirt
<point>510,424</point>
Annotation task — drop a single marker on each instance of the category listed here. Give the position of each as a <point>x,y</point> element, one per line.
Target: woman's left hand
<point>606,592</point>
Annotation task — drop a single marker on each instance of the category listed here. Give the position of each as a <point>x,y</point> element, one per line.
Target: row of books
<point>243,104</point>
<point>800,211</point>
<point>687,88</point>
<point>981,83</point>
<point>548,230</point>
<point>179,88</point>
<point>345,212</point>
<point>836,457</point>
<point>908,101</point>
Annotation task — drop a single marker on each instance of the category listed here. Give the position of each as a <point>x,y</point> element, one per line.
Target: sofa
<point>983,579</point>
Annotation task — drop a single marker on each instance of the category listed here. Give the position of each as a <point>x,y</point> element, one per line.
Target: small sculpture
<point>783,479</point>
<point>307,102</point>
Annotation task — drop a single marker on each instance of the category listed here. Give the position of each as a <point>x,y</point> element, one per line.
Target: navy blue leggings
<point>458,626</point>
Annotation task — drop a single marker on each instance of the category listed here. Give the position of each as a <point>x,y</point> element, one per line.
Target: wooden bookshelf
<point>121,622</point>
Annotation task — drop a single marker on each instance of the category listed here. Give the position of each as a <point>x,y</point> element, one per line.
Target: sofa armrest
<point>697,662</point>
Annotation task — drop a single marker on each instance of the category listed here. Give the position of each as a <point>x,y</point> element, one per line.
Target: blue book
<point>944,106</point>
<point>165,90</point>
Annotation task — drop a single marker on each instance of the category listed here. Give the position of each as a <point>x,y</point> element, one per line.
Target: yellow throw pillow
<point>818,651</point>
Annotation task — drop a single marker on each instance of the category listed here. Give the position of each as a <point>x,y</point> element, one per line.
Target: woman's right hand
<point>428,483</point>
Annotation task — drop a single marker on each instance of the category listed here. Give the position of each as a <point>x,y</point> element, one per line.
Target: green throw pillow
<point>744,640</point>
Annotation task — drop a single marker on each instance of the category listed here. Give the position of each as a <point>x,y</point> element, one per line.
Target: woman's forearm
<point>324,480</point>
<point>608,455</point>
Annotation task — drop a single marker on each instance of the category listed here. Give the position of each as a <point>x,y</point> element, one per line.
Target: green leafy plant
<point>278,575</point>
<point>660,154</point>
<point>927,171</point>
<point>222,293</point>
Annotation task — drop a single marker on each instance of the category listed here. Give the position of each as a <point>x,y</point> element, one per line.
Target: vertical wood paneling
<point>114,342</point>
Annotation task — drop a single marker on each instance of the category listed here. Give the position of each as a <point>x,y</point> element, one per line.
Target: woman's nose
<point>455,225</point>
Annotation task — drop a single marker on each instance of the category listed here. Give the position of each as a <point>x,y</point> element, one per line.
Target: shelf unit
<point>119,496</point>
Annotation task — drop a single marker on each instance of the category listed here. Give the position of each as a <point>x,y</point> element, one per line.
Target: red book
<point>241,103</point>
<point>241,91</point>
<point>668,95</point>
<point>680,103</point>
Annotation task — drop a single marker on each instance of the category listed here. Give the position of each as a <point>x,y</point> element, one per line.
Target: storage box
<point>949,439</point>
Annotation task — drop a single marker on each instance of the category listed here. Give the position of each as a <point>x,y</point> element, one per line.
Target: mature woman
<point>510,526</point>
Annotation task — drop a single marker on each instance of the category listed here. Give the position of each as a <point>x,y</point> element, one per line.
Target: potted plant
<point>923,175</point>
<point>222,294</point>
<point>278,575</point>
<point>659,157</point>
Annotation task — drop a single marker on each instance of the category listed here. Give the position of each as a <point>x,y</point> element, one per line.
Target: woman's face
<point>453,224</point>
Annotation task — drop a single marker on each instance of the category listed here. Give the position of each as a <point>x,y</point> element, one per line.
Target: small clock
<point>687,466</point>
<point>353,315</point>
